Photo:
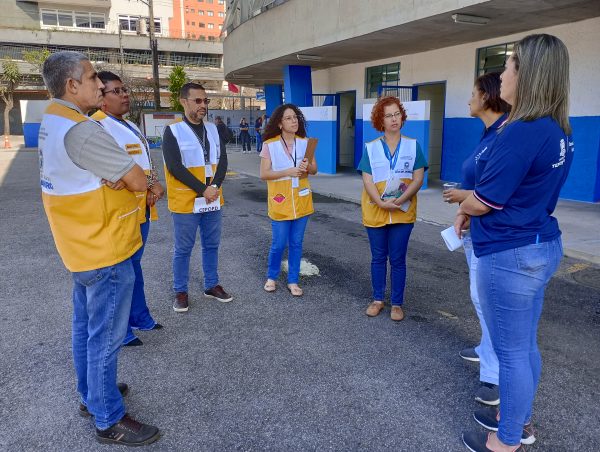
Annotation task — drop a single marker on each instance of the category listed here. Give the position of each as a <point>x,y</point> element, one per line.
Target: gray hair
<point>542,64</point>
<point>59,67</point>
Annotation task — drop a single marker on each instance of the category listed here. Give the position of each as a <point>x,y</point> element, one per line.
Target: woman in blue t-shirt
<point>516,239</point>
<point>487,105</point>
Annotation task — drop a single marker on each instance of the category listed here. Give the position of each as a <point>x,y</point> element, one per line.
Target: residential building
<point>198,19</point>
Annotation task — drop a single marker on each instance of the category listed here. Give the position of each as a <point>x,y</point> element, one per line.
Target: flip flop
<point>295,291</point>
<point>270,286</point>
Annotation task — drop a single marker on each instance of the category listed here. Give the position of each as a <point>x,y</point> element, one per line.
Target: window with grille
<point>386,74</point>
<point>493,58</point>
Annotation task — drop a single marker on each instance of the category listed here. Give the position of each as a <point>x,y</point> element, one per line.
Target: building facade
<point>429,51</point>
<point>198,19</point>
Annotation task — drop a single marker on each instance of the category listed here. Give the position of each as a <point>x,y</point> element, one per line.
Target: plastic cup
<point>451,185</point>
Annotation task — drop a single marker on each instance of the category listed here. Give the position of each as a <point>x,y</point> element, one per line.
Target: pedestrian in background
<point>515,237</point>
<point>485,104</point>
<point>284,166</point>
<point>245,136</point>
<point>115,104</point>
<point>393,169</point>
<point>88,190</point>
<point>258,131</point>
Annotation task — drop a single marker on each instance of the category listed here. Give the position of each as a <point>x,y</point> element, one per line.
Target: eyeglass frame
<point>199,100</point>
<point>396,115</point>
<point>118,90</point>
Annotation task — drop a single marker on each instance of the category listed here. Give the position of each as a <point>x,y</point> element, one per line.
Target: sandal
<point>270,285</point>
<point>295,290</point>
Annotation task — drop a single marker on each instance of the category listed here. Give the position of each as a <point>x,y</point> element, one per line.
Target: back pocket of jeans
<point>533,258</point>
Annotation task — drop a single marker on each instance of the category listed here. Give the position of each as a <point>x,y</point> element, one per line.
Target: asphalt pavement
<point>271,372</point>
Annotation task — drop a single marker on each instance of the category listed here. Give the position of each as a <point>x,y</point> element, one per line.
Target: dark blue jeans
<point>287,232</point>
<point>390,241</point>
<point>511,288</point>
<point>101,306</point>
<point>140,317</point>
<point>186,227</point>
<point>245,139</point>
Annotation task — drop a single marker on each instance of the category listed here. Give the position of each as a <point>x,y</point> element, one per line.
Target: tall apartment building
<point>92,27</point>
<point>198,19</point>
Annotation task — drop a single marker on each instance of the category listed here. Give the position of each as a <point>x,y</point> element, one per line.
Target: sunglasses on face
<point>118,91</point>
<point>200,101</point>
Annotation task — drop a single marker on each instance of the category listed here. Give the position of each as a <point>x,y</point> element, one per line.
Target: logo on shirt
<point>278,198</point>
<point>563,153</point>
<point>479,154</point>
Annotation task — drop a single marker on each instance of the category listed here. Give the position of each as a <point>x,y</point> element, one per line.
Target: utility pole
<point>122,58</point>
<point>154,50</point>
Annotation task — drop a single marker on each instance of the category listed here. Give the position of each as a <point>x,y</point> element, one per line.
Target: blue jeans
<point>511,288</point>
<point>185,226</point>
<point>287,232</point>
<point>140,317</point>
<point>258,142</point>
<point>245,140</point>
<point>488,362</point>
<point>389,241</point>
<point>101,305</point>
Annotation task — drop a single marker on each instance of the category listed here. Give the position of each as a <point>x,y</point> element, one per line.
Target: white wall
<point>456,65</point>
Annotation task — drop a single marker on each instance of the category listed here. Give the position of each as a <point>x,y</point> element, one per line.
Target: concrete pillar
<point>297,84</point>
<point>273,97</point>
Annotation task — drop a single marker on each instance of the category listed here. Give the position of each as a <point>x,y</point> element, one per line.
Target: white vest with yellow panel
<point>93,226</point>
<point>285,201</point>
<point>180,196</point>
<point>373,215</point>
<point>137,147</point>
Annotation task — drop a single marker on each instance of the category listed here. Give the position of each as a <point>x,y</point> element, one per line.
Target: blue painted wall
<point>461,135</point>
<point>326,132</point>
<point>273,98</point>
<point>419,130</point>
<point>297,82</point>
<point>359,143</point>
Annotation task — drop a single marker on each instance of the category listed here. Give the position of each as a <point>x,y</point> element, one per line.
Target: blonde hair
<point>542,65</point>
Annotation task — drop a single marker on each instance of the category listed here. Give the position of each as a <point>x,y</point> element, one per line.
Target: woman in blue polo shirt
<point>485,104</point>
<point>393,169</point>
<point>516,239</point>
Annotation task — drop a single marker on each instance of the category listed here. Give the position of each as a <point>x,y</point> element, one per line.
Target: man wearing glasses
<point>195,167</point>
<point>115,104</point>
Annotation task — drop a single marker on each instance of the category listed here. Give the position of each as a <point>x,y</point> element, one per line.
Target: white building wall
<point>456,65</point>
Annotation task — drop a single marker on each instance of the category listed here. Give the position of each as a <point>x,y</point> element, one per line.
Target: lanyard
<point>294,158</point>
<point>135,132</point>
<point>202,142</point>
<point>392,159</point>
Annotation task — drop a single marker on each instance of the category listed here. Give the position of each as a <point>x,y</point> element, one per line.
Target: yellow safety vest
<point>180,196</point>
<point>372,215</point>
<point>139,150</point>
<point>285,201</point>
<point>93,226</point>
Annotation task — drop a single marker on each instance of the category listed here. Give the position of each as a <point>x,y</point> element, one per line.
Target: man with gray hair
<point>87,185</point>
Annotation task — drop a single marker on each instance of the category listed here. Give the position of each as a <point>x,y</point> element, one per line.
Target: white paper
<point>208,172</point>
<point>452,241</point>
<point>200,205</point>
<point>295,182</point>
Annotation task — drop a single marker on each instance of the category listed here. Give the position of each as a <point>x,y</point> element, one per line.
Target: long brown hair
<point>272,129</point>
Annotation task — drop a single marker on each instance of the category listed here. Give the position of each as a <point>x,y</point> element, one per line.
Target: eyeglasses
<point>291,118</point>
<point>396,115</point>
<point>118,91</point>
<point>200,101</point>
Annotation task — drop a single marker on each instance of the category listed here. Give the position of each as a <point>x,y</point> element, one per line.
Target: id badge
<point>295,182</point>
<point>200,205</point>
<point>208,172</point>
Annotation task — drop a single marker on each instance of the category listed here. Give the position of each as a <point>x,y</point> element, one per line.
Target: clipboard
<point>311,147</point>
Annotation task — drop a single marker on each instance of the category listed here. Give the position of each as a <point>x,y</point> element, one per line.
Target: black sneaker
<point>128,432</point>
<point>218,293</point>
<point>489,417</point>
<point>469,354</point>
<point>477,442</point>
<point>134,343</point>
<point>123,389</point>
<point>181,303</point>
<point>488,394</point>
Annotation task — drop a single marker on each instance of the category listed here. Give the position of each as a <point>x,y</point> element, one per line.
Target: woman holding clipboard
<point>393,168</point>
<point>287,157</point>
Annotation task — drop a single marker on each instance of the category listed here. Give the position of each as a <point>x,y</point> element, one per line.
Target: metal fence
<point>404,93</point>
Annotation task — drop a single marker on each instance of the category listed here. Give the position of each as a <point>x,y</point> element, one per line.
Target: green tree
<point>177,79</point>
<point>10,77</point>
<point>36,57</point>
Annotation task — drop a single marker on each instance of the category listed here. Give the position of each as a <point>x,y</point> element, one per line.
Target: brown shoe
<point>181,303</point>
<point>218,293</point>
<point>397,313</point>
<point>375,308</point>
